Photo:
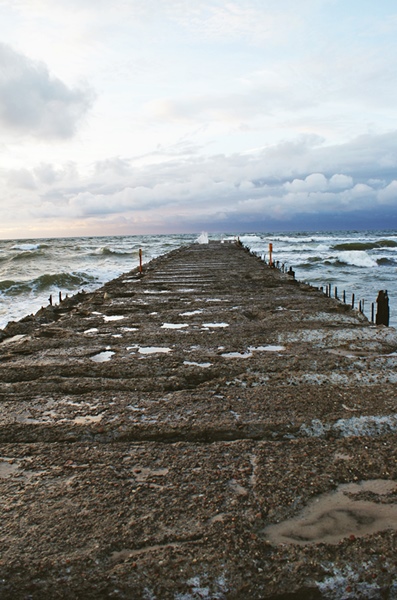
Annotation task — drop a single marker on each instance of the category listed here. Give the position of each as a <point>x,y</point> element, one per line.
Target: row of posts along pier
<point>382,316</point>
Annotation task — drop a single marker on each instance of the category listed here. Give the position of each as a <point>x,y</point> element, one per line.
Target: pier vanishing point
<point>208,429</point>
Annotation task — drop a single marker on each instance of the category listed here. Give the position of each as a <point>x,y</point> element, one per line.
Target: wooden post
<point>50,299</point>
<point>382,313</point>
<point>352,300</point>
<point>60,297</point>
<point>336,293</point>
<point>270,255</point>
<point>140,260</point>
<point>344,296</point>
<point>373,312</point>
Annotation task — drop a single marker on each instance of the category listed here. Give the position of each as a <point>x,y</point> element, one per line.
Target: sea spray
<point>202,238</point>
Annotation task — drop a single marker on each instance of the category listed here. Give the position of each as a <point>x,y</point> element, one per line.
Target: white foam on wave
<point>25,247</point>
<point>251,238</point>
<point>357,258</point>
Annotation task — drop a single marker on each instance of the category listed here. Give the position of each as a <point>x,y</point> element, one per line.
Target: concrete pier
<point>208,429</point>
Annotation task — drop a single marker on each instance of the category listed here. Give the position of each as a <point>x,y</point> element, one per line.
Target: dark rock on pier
<point>210,429</point>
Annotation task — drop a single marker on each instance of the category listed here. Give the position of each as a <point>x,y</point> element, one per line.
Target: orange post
<point>270,255</point>
<point>140,260</point>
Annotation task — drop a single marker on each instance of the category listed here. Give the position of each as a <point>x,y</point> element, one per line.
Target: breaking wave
<point>353,258</point>
<point>106,251</point>
<point>26,247</point>
<point>27,255</point>
<point>61,281</point>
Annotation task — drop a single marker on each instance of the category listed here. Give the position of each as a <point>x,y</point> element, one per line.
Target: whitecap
<point>25,247</point>
<point>357,258</point>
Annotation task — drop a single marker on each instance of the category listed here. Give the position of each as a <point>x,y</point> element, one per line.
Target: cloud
<point>34,103</point>
<point>278,186</point>
<point>315,182</point>
<point>388,195</point>
<point>21,178</point>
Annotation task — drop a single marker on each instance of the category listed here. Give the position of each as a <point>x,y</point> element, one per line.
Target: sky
<point>171,116</point>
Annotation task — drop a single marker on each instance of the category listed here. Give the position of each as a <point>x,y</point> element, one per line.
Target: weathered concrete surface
<point>227,399</point>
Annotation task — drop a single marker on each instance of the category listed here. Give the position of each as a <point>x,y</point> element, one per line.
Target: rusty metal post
<point>140,260</point>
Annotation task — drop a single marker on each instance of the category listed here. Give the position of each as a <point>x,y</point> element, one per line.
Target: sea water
<point>357,262</point>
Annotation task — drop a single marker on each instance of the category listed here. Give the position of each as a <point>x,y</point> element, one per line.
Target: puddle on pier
<point>205,365</point>
<point>7,468</point>
<point>102,357</point>
<point>109,318</point>
<point>153,350</point>
<point>236,354</point>
<point>252,349</point>
<point>269,348</point>
<point>339,514</point>
<point>87,419</point>
<point>13,339</point>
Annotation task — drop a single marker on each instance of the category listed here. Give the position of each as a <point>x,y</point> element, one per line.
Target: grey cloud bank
<point>304,184</point>
<point>32,102</point>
